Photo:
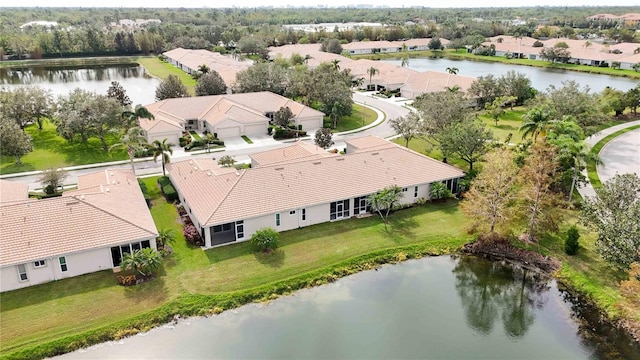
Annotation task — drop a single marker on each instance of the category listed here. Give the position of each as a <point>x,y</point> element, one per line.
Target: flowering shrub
<point>127,280</point>
<point>192,235</point>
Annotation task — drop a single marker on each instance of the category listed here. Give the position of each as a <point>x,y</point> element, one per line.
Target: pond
<point>441,307</point>
<point>61,80</point>
<point>540,78</point>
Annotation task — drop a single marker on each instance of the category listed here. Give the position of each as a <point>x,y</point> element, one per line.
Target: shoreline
<point>187,306</point>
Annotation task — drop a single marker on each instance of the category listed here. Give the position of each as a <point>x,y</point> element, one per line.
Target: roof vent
<point>340,159</point>
<point>190,162</point>
<point>106,189</point>
<point>375,153</point>
<point>195,168</point>
<point>208,173</point>
<point>316,162</point>
<point>279,168</point>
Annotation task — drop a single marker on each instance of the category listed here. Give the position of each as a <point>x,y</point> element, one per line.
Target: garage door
<point>311,124</point>
<point>171,138</point>
<point>259,129</point>
<point>228,132</point>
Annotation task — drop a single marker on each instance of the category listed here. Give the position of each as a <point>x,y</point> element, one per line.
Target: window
<point>39,264</point>
<point>22,272</point>
<point>304,214</point>
<point>240,229</point>
<point>117,252</point>
<point>405,189</point>
<point>415,192</point>
<point>63,263</point>
<point>277,219</point>
<point>339,209</point>
<point>360,205</point>
<point>292,212</point>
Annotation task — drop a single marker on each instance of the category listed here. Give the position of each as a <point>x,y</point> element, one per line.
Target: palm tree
<point>357,82</point>
<point>536,122</point>
<point>452,70</point>
<point>133,141</point>
<point>144,261</point>
<point>307,58</point>
<point>163,149</point>
<point>132,117</point>
<point>334,64</point>
<point>405,61</point>
<point>203,69</point>
<point>372,72</point>
<point>165,236</point>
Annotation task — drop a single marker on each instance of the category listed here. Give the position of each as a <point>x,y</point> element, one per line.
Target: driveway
<point>620,156</point>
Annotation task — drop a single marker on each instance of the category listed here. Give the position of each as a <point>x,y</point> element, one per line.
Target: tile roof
<point>13,191</point>
<point>298,151</point>
<point>242,195</point>
<point>107,209</point>
<point>362,45</point>
<point>248,108</point>
<point>432,81</point>
<point>224,65</point>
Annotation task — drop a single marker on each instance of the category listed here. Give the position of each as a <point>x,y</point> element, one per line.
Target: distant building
<point>46,24</point>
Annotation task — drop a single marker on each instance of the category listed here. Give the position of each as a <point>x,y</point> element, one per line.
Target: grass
<point>246,139</point>
<point>162,69</point>
<point>360,116</point>
<point>87,61</point>
<point>509,123</point>
<point>592,171</point>
<point>195,135</point>
<point>51,150</point>
<point>40,314</point>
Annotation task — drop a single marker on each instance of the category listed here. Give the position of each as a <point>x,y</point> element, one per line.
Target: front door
<point>339,210</point>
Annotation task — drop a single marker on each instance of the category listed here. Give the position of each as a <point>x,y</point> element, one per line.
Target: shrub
<point>145,192</point>
<point>265,240</point>
<point>126,280</point>
<point>194,144</point>
<point>216,142</point>
<point>192,235</point>
<point>439,191</point>
<point>167,188</point>
<point>537,44</point>
<point>571,244</point>
<point>288,133</point>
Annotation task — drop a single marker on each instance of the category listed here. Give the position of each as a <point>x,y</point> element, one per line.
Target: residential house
<point>371,47</point>
<point>298,186</point>
<point>226,115</point>
<point>189,61</point>
<point>83,231</point>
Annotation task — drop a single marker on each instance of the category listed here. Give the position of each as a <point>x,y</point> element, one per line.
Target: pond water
<point>443,307</point>
<point>540,78</point>
<point>61,80</point>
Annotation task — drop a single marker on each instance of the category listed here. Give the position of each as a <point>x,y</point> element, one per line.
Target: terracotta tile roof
<point>362,45</point>
<point>368,142</point>
<point>242,195</point>
<point>98,214</point>
<point>431,81</point>
<point>224,65</point>
<point>13,191</point>
<point>298,151</point>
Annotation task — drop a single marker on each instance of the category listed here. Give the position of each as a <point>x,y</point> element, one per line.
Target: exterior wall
<point>310,123</point>
<point>360,51</point>
<point>258,129</point>
<point>173,137</point>
<point>77,264</point>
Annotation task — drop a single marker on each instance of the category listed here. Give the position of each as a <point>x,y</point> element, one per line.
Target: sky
<point>300,3</point>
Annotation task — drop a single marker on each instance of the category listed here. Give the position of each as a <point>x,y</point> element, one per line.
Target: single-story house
<point>226,115</point>
<point>371,47</point>
<point>189,60</point>
<point>433,81</point>
<point>419,44</point>
<point>83,231</point>
<point>298,186</point>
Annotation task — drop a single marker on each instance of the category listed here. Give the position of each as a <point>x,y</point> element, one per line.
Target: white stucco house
<point>300,185</point>
<point>83,231</point>
<point>371,47</point>
<point>227,115</point>
<point>189,60</point>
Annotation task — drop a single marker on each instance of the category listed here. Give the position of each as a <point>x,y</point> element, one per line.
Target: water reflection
<point>61,80</point>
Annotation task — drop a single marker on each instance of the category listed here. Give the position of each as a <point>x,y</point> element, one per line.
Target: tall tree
<point>162,149</point>
<point>488,201</point>
<point>133,141</point>
<point>283,117</point>
<point>371,72</point>
<point>26,105</point>
<point>452,70</point>
<point>536,178</point>
<point>615,214</point>
<point>171,87</point>
<point>104,115</point>
<point>469,140</point>
<point>265,76</point>
<point>117,91</point>
<point>486,89</point>
<point>536,122</point>
<point>132,118</point>
<point>52,179</point>
<point>13,141</point>
<point>408,126</point>
<point>210,83</point>
<point>323,138</point>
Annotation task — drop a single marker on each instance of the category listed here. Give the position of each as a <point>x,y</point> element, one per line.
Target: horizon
<point>199,4</point>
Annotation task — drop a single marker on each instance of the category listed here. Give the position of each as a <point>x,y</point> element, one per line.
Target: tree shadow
<point>153,289</point>
<point>274,259</point>
<point>400,227</point>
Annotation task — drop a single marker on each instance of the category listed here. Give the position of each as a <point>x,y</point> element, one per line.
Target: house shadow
<point>54,290</point>
<point>274,259</point>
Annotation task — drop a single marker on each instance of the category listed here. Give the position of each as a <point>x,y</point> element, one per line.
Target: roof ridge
<point>225,196</point>
<point>79,197</point>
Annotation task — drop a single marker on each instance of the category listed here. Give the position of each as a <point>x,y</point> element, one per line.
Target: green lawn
<point>162,69</point>
<point>51,150</point>
<point>355,120</point>
<point>51,311</point>
<point>509,123</point>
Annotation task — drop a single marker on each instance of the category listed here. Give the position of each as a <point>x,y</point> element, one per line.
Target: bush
<point>192,235</point>
<point>194,144</point>
<point>288,134</point>
<point>265,240</point>
<point>571,244</point>
<point>216,142</point>
<point>439,191</point>
<point>145,192</point>
<point>167,189</point>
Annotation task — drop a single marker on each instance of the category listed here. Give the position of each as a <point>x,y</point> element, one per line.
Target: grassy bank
<point>463,55</point>
<point>360,116</point>
<point>36,321</point>
<point>51,150</point>
<point>592,171</point>
<point>75,62</point>
<point>162,69</point>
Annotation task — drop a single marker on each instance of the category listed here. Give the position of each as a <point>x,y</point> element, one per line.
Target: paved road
<point>587,190</point>
<point>620,156</point>
<point>388,108</point>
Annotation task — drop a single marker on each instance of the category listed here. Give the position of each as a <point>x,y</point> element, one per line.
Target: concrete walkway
<point>621,155</point>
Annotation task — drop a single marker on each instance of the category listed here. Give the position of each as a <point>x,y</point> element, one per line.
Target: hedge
<point>167,188</point>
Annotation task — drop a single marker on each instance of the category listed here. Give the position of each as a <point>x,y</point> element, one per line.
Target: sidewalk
<point>587,190</point>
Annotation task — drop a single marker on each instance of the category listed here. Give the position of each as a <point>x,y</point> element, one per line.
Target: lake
<point>540,78</point>
<point>440,307</point>
<point>61,80</point>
